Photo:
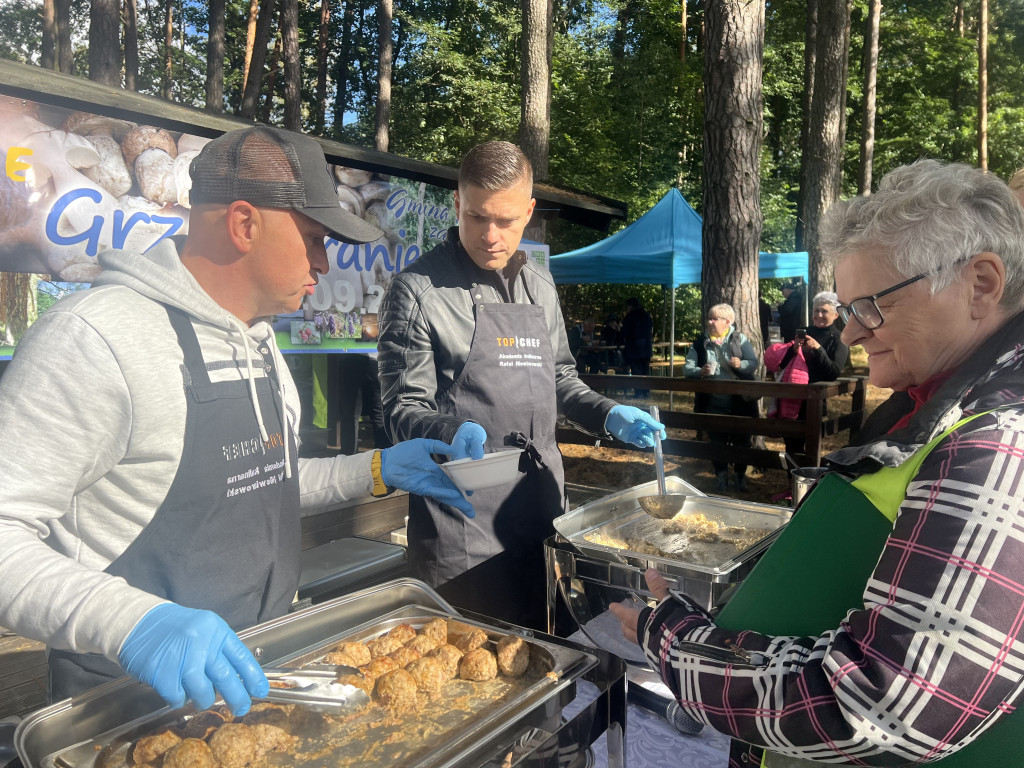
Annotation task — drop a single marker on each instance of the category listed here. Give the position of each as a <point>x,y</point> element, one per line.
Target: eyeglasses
<point>866,310</point>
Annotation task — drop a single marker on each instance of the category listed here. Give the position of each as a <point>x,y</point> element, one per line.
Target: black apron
<point>227,536</point>
<point>494,563</point>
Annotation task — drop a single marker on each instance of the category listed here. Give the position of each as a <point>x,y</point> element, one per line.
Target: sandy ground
<point>616,469</point>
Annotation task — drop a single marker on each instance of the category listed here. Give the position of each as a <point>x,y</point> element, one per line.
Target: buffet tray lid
<point>619,515</point>
<point>111,705</point>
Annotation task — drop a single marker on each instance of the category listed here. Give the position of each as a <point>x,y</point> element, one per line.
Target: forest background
<point>625,109</point>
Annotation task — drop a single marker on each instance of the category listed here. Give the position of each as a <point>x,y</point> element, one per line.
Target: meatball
<point>268,713</point>
<point>359,681</point>
<point>190,753</point>
<point>340,657</point>
<point>403,633</point>
<point>383,646</point>
<point>234,745</point>
<point>513,655</point>
<point>430,673</point>
<point>271,738</point>
<point>404,655</point>
<point>149,748</point>
<point>437,629</point>
<point>379,666</point>
<point>397,690</point>
<point>423,644</point>
<point>450,656</point>
<point>204,723</point>
<point>479,664</point>
<point>357,651</point>
<point>471,640</point>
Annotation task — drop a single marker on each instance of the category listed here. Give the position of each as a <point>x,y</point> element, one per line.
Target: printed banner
<point>76,183</point>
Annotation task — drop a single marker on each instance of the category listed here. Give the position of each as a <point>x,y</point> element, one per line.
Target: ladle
<point>665,505</point>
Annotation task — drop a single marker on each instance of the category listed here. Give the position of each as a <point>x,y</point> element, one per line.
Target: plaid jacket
<point>936,654</point>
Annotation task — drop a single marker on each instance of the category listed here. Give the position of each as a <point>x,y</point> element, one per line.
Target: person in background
<point>722,352</point>
<point>927,666</point>
<point>819,352</point>
<point>1017,185</point>
<point>765,315</point>
<point>151,488</point>
<point>611,336</point>
<point>638,336</point>
<point>473,350</point>
<point>580,337</point>
<point>791,310</point>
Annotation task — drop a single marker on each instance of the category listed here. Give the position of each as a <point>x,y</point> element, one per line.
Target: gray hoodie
<point>92,420</point>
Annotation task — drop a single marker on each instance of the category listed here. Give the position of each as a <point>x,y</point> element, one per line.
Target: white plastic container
<point>493,469</point>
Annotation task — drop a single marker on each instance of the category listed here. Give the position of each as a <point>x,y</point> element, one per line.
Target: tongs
<point>317,688</point>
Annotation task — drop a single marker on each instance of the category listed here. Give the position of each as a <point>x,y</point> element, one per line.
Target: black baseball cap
<point>273,168</point>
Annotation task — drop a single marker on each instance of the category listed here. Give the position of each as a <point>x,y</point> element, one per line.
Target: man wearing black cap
<point>151,488</point>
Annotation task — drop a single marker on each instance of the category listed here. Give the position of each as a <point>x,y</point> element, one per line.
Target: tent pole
<point>672,348</point>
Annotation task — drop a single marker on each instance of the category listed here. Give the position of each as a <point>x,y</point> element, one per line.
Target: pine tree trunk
<point>271,81</point>
<point>810,57</point>
<point>254,82</point>
<point>341,73</point>
<point>867,143</point>
<point>168,74</point>
<point>320,107</point>
<point>131,45</point>
<point>682,32</point>
<point>48,54</point>
<point>733,110</point>
<point>292,66</point>
<point>65,55</point>
<point>215,58</point>
<point>535,119</point>
<point>824,153</point>
<point>383,114</point>
<point>105,42</point>
<point>250,41</point>
<point>983,84</point>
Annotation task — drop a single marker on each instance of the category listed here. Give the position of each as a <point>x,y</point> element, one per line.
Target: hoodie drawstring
<point>250,373</point>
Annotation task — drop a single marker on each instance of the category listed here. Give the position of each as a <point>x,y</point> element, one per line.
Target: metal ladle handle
<point>659,460</point>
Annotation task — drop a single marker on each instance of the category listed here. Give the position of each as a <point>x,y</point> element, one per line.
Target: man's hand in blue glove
<point>468,442</point>
<point>409,466</point>
<point>187,654</point>
<point>631,425</point>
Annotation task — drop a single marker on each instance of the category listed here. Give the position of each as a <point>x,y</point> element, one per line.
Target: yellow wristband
<point>380,488</point>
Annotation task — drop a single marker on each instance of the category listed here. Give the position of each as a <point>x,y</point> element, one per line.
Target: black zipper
<point>731,654</point>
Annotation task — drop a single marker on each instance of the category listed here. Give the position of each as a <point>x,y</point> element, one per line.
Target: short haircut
<point>725,310</point>
<point>929,215</point>
<point>495,165</point>
<point>825,297</point>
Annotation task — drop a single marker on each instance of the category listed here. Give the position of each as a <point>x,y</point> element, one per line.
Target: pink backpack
<point>794,373</point>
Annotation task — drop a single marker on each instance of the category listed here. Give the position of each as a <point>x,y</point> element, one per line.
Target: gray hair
<point>825,297</point>
<point>495,165</point>
<point>725,310</point>
<point>929,215</point>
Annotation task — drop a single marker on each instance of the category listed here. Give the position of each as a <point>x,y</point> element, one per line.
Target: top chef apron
<point>818,529</point>
<point>494,563</point>
<point>226,537</point>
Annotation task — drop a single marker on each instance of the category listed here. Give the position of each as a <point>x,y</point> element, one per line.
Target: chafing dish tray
<point>441,729</point>
<point>710,535</point>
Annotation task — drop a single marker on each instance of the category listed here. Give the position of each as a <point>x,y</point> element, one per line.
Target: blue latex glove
<point>409,466</point>
<point>185,654</point>
<point>631,425</point>
<point>468,442</point>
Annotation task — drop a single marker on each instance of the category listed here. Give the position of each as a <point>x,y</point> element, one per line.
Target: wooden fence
<point>819,419</point>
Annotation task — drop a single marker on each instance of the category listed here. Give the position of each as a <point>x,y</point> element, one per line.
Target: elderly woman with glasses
<point>923,660</point>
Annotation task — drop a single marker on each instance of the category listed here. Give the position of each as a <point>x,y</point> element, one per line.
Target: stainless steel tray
<point>71,734</point>
<point>616,529</point>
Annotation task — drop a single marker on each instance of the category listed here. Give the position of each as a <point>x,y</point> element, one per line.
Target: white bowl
<point>493,469</point>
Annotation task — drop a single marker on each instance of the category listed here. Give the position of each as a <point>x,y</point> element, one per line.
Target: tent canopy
<point>662,247</point>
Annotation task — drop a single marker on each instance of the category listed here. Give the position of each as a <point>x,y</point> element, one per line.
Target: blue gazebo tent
<point>662,247</point>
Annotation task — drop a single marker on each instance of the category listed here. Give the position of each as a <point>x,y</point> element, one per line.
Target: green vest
<point>829,549</point>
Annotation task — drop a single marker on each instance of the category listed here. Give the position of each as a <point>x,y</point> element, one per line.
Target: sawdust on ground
<point>615,469</point>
